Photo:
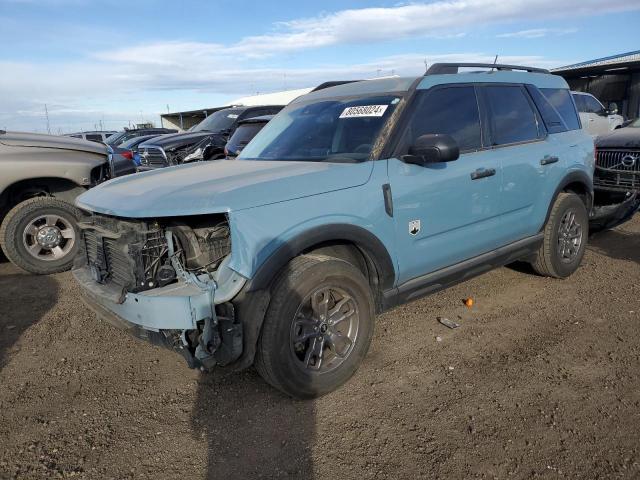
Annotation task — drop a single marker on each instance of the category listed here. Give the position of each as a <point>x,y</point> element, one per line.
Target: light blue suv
<point>352,200</point>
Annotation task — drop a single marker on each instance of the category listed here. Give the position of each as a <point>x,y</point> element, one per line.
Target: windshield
<point>116,139</point>
<point>218,121</point>
<point>323,130</point>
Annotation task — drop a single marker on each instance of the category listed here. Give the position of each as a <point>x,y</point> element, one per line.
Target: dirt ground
<point>542,380</point>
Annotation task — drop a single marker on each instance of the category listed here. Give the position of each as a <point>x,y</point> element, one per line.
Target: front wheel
<point>40,235</point>
<point>565,238</point>
<point>318,326</point>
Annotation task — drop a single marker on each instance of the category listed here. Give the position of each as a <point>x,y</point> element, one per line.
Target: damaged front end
<point>166,281</point>
<point>616,187</point>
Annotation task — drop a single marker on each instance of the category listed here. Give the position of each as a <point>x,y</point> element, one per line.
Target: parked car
<point>617,176</point>
<point>117,139</point>
<point>95,136</point>
<point>595,118</point>
<point>352,200</point>
<point>214,131</point>
<point>125,158</point>
<point>40,177</point>
<point>247,129</point>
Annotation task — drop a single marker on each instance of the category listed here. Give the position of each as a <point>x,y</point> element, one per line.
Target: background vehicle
<point>213,131</point>
<point>350,201</point>
<point>617,176</point>
<point>125,156</point>
<point>595,118</point>
<point>117,139</point>
<point>40,177</point>
<point>247,129</point>
<point>94,136</point>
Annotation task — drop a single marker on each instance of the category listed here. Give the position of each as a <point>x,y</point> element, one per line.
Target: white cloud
<point>538,33</point>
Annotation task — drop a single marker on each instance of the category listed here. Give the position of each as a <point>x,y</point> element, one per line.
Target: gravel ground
<point>541,380</point>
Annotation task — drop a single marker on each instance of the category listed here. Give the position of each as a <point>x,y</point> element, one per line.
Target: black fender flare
<point>577,176</point>
<point>362,238</point>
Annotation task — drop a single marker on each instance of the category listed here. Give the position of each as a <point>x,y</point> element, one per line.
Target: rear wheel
<point>318,326</point>
<point>565,238</point>
<point>40,235</point>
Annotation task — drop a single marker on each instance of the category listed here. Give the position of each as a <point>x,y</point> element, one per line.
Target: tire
<point>292,365</point>
<point>559,233</point>
<point>35,214</point>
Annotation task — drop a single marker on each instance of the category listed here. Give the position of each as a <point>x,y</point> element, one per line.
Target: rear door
<point>446,212</point>
<point>528,158</point>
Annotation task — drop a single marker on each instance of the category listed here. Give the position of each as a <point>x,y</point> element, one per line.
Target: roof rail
<point>333,83</point>
<point>452,68</point>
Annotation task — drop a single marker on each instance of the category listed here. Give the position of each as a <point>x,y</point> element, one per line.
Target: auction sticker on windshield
<point>364,111</point>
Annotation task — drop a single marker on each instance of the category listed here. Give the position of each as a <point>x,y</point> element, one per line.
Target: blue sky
<point>117,62</point>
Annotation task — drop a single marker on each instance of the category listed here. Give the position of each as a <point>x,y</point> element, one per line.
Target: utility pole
<point>46,113</point>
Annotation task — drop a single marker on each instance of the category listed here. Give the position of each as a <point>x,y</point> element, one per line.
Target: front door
<point>444,213</point>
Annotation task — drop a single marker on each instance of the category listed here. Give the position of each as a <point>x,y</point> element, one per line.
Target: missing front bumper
<point>181,317</point>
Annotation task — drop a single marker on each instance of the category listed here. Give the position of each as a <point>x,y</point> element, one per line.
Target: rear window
<point>512,118</point>
<point>560,98</point>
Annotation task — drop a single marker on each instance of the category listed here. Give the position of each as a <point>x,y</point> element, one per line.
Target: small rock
<point>438,339</point>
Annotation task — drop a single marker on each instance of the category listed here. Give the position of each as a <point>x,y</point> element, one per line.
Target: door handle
<point>549,160</point>
<point>483,173</point>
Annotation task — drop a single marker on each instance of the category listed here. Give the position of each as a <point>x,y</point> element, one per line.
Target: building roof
<point>613,63</point>
<point>276,98</point>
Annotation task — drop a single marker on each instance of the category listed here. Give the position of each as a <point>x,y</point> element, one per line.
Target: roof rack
<point>333,83</point>
<point>452,68</point>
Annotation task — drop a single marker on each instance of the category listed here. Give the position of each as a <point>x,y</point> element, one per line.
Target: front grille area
<point>619,160</point>
<point>617,169</point>
<point>126,254</point>
<point>153,157</point>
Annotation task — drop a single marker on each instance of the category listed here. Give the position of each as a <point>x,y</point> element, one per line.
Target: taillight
<point>128,154</point>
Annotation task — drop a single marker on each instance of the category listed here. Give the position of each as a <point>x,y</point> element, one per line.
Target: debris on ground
<point>448,323</point>
<point>468,302</point>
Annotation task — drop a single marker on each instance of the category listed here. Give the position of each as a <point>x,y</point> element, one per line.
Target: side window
<point>581,103</point>
<point>593,105</point>
<point>76,136</point>
<point>561,99</point>
<point>512,118</point>
<point>94,137</point>
<point>452,111</point>
<point>550,116</point>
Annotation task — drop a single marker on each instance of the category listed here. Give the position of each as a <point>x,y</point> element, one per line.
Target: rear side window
<point>94,137</point>
<point>452,111</point>
<point>560,98</point>
<point>512,118</point>
<point>242,136</point>
<point>550,116</point>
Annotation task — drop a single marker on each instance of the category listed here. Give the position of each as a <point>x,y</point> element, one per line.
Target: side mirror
<point>433,148</point>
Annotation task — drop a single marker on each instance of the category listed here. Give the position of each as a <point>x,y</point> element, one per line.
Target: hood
<point>39,140</point>
<point>177,140</point>
<point>220,186</point>
<point>628,137</point>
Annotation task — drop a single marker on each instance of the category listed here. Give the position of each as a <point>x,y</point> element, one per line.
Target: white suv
<point>596,119</point>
